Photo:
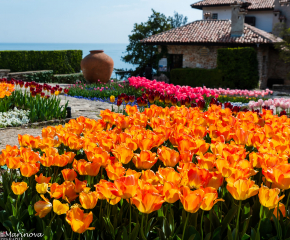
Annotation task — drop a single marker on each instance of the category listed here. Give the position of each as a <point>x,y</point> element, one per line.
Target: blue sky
<point>81,21</point>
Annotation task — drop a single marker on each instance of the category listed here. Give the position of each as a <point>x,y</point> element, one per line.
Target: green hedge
<point>68,78</point>
<point>61,62</point>
<point>239,67</point>
<point>39,77</point>
<point>196,77</point>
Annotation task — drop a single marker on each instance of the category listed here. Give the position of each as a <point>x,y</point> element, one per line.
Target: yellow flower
<point>112,99</point>
<point>19,188</point>
<point>60,208</point>
<point>41,188</point>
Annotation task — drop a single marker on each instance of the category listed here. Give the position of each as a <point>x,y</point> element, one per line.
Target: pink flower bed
<point>181,92</point>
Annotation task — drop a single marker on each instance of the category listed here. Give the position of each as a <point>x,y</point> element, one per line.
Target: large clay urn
<point>97,66</point>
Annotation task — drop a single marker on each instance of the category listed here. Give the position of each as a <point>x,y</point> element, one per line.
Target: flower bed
<point>41,101</point>
<point>15,117</point>
<point>166,173</point>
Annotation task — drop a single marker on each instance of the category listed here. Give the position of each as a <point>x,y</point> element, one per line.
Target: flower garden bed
<point>21,103</point>
<point>164,173</point>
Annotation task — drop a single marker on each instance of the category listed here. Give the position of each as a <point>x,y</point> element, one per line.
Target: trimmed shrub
<point>61,62</point>
<point>68,78</point>
<point>39,77</point>
<point>239,67</point>
<point>196,77</point>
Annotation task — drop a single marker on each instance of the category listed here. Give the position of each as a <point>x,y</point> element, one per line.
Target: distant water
<point>114,50</point>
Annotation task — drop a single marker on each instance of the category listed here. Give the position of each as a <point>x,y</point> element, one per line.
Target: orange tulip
<point>209,198</point>
<point>269,197</point>
<point>87,168</point>
<point>133,172</point>
<point>279,175</point>
<point>13,162</point>
<point>106,190</point>
<point>88,200</point>
<point>60,208</point>
<point>170,192</point>
<point>168,156</point>
<point>206,161</point>
<point>28,141</point>
<point>29,169</point>
<point>242,189</point>
<point>216,180</point>
<point>69,174</point>
<point>123,154</point>
<point>115,171</point>
<point>282,209</point>
<point>79,220</point>
<point>145,160</point>
<point>191,200</point>
<point>127,186</point>
<point>148,201</point>
<point>80,185</point>
<point>42,208</point>
<point>42,179</point>
<point>198,177</point>
<point>56,191</point>
<point>168,175</point>
<point>19,188</point>
<point>69,193</point>
<point>150,177</point>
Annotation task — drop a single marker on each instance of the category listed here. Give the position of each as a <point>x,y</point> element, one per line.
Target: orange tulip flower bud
<point>216,180</point>
<point>115,171</point>
<point>242,189</point>
<point>168,156</point>
<point>147,201</point>
<point>123,154</point>
<point>79,220</point>
<point>29,169</point>
<point>269,198</point>
<point>106,190</point>
<point>88,200</point>
<point>42,179</point>
<point>19,188</point>
<point>191,200</point>
<point>127,186</point>
<point>80,185</point>
<point>42,208</point>
<point>209,198</point>
<point>150,177</point>
<point>69,174</point>
<point>60,208</point>
<point>170,192</point>
<point>145,160</point>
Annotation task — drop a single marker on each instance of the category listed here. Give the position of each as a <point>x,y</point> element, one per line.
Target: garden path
<point>79,107</point>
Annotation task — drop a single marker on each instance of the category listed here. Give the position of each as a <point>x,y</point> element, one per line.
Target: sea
<point>114,50</point>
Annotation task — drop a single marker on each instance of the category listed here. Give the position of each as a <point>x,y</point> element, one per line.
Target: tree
<point>284,46</point>
<point>177,20</point>
<point>140,54</point>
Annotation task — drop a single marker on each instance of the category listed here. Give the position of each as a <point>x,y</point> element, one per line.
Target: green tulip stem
<point>52,219</point>
<point>287,205</point>
<point>237,226</point>
<point>201,225</point>
<point>261,217</point>
<point>130,216</point>
<point>185,224</point>
<point>18,197</point>
<point>142,230</point>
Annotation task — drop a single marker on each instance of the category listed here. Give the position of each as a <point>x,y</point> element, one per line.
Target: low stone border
<point>44,123</point>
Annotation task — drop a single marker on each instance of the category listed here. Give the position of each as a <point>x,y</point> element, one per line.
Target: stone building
<point>195,45</point>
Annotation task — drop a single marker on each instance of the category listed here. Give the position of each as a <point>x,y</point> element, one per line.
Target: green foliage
<point>68,78</point>
<point>41,109</point>
<point>177,20</point>
<point>196,77</point>
<point>39,77</point>
<point>61,62</point>
<point>140,54</point>
<point>239,67</point>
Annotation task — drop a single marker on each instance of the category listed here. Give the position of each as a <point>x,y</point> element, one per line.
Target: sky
<point>81,21</point>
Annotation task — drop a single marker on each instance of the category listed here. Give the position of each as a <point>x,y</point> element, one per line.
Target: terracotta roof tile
<point>255,4</point>
<point>211,31</point>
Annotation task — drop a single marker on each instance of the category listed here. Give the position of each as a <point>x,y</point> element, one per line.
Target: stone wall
<point>277,68</point>
<point>196,56</point>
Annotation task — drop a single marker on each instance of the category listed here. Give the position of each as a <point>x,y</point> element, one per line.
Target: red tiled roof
<point>255,4</point>
<point>211,31</point>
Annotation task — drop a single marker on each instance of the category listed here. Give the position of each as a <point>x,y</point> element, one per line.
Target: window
<point>176,61</point>
<point>250,20</point>
<point>214,16</point>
